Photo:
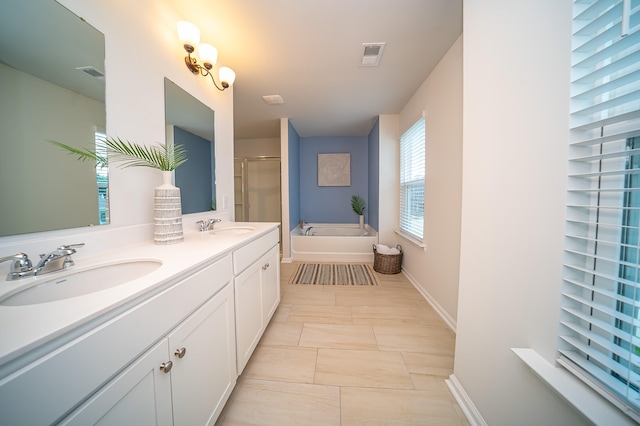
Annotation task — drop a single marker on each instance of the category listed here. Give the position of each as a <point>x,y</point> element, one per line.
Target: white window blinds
<point>412,172</point>
<point>600,319</point>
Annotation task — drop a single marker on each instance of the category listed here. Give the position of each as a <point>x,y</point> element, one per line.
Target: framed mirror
<point>53,88</point>
<point>191,123</point>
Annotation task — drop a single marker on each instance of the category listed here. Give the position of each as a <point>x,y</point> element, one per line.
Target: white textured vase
<point>361,217</point>
<point>167,212</point>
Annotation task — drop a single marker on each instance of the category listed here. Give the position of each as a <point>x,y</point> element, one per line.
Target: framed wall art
<point>334,169</point>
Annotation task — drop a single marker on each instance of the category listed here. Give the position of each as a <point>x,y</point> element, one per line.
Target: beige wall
<point>516,103</point>
<point>267,147</point>
<point>435,269</point>
<point>35,191</point>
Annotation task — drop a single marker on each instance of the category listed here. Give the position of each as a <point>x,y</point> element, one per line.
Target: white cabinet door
<point>248,300</point>
<point>140,395</point>
<point>257,292</point>
<point>204,361</point>
<point>192,391</point>
<point>270,283</point>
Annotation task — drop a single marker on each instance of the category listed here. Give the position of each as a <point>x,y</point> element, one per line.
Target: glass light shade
<point>188,33</point>
<point>208,54</point>
<point>227,75</point>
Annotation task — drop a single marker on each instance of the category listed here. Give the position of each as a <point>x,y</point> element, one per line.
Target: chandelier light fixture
<point>190,37</point>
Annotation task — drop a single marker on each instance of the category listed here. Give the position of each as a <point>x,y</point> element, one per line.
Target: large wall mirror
<point>191,123</point>
<point>53,88</point>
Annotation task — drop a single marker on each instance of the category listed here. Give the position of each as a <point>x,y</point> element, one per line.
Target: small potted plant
<point>358,205</point>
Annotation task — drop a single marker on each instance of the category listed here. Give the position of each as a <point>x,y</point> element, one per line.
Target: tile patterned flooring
<point>338,355</point>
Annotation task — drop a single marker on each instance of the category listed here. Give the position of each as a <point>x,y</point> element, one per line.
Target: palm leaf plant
<point>165,157</point>
<point>357,204</point>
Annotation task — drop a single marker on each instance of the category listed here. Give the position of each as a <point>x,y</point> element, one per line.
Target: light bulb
<point>208,55</point>
<point>227,76</point>
<point>189,35</point>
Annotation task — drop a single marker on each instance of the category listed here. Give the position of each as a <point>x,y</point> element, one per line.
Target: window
<point>102,177</point>
<point>600,319</point>
<point>412,181</point>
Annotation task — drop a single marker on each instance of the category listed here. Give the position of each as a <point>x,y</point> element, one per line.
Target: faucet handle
<point>212,222</point>
<point>71,246</point>
<point>69,249</point>
<point>21,262</point>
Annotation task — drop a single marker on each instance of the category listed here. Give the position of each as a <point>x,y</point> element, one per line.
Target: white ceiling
<point>309,52</point>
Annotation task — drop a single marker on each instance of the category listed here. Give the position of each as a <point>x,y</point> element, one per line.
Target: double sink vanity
<point>145,334</point>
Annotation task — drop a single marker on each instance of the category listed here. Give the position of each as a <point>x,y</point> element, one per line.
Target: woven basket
<point>387,263</point>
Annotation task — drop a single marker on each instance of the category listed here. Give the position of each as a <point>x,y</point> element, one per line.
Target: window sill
<point>585,400</point>
<point>410,238</point>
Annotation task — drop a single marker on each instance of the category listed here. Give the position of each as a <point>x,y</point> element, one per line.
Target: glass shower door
<point>257,189</point>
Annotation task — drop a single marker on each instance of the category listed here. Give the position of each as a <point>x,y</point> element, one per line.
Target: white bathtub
<point>330,242</point>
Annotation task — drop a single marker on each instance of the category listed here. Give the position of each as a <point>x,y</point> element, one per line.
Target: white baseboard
<point>448,319</point>
<point>466,405</point>
<point>286,260</point>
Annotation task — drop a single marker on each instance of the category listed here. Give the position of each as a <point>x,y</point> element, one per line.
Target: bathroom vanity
<point>164,348</point>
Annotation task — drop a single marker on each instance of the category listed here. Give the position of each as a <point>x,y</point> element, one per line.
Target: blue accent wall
<point>294,177</point>
<point>332,204</point>
<point>374,175</point>
<point>197,173</point>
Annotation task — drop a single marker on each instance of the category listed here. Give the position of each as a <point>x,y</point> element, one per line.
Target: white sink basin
<point>233,230</point>
<point>78,282</point>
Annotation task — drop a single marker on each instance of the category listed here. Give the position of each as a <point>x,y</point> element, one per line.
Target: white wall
<point>516,90</point>
<point>435,269</point>
<point>284,182</point>
<point>142,47</point>
<point>389,181</point>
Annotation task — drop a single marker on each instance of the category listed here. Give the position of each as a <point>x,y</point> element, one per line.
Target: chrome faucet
<point>58,259</point>
<point>308,230</point>
<point>54,261</point>
<point>206,224</point>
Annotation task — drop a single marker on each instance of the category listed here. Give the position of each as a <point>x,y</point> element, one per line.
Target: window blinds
<point>412,173</point>
<point>600,318</point>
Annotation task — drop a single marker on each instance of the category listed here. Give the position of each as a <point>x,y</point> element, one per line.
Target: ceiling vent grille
<point>371,53</point>
<point>91,71</point>
<point>273,99</point>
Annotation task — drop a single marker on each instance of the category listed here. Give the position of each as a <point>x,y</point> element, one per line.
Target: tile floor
<point>338,355</point>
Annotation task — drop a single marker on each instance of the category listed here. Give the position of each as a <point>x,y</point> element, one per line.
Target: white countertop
<point>24,328</point>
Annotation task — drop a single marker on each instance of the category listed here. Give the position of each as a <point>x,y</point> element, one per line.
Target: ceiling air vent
<point>371,54</point>
<point>273,99</point>
<point>91,71</point>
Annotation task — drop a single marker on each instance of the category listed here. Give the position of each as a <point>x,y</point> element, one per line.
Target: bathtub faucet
<point>308,230</point>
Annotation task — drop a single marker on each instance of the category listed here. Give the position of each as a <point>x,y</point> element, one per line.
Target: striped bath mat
<point>334,274</point>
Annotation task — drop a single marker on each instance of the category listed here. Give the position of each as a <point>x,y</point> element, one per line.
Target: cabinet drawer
<point>246,255</point>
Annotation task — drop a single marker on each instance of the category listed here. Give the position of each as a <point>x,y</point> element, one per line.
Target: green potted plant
<point>162,157</point>
<point>166,158</point>
<point>358,205</point>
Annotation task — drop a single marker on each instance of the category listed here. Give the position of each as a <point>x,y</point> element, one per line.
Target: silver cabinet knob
<point>166,366</point>
<point>180,353</point>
